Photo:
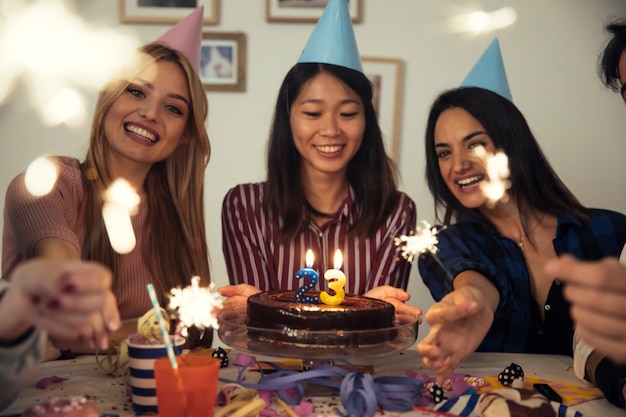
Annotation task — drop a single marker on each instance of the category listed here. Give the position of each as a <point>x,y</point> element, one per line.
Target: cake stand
<point>328,344</point>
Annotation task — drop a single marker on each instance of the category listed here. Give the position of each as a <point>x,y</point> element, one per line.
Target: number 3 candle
<point>336,282</point>
<point>310,273</point>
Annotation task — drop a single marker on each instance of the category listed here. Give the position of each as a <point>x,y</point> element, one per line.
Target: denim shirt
<point>475,244</point>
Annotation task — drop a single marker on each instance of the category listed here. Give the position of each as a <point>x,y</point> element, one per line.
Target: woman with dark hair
<point>493,293</point>
<point>330,185</point>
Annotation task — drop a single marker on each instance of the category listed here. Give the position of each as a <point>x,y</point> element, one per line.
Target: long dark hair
<point>533,181</point>
<point>371,173</point>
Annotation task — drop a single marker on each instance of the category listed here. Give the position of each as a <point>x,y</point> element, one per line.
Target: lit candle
<point>313,277</point>
<point>336,282</point>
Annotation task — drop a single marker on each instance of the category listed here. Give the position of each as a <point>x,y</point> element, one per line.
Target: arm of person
<point>241,241</point>
<point>597,293</point>
<point>69,300</point>
<point>458,323</point>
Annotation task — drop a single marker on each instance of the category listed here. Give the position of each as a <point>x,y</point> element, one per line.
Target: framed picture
<point>387,77</point>
<point>166,11</point>
<point>305,10</point>
<point>223,61</point>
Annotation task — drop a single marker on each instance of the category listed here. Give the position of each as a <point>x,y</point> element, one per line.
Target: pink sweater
<point>28,219</point>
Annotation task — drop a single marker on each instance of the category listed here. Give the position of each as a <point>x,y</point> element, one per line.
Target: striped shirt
<point>254,255</point>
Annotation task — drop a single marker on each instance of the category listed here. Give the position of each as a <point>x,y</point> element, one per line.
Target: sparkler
<point>40,177</point>
<point>195,305</point>
<point>73,55</point>
<point>422,240</point>
<point>121,201</point>
<point>498,172</point>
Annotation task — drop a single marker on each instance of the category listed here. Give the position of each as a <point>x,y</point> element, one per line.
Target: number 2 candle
<point>313,278</point>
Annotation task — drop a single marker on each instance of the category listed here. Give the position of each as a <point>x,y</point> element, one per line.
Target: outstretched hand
<point>397,297</point>
<point>71,300</point>
<point>458,324</point>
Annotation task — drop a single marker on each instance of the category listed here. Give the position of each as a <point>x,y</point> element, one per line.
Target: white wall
<point>550,54</point>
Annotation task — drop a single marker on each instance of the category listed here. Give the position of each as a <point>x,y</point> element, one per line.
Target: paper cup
<point>190,390</point>
<point>141,363</point>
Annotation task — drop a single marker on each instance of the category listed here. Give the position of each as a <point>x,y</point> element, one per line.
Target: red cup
<point>191,389</point>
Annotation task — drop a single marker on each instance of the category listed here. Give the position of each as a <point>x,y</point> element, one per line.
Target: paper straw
<point>166,336</point>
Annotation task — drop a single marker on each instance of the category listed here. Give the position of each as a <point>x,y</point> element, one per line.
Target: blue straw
<point>166,336</point>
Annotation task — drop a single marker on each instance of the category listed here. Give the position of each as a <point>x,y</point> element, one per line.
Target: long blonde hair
<point>175,233</point>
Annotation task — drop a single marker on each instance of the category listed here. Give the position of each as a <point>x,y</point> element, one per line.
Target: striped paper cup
<point>141,359</point>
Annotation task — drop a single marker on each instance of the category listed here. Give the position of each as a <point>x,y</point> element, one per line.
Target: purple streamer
<point>360,394</point>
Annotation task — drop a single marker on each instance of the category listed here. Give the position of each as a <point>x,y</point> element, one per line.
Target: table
<point>83,377</point>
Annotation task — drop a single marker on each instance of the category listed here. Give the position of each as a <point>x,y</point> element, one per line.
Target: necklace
<point>520,242</point>
<point>318,213</point>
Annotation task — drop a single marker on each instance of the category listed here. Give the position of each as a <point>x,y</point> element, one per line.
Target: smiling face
<point>457,136</point>
<point>327,121</point>
<point>145,123</point>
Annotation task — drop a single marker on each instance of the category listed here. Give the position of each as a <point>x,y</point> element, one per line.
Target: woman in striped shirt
<point>330,185</point>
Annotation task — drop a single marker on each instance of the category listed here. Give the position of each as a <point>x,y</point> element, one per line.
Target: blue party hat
<point>489,72</point>
<point>332,40</point>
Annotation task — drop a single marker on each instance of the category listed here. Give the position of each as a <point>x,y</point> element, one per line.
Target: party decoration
<point>512,376</point>
<point>186,36</point>
<point>489,72</point>
<point>332,40</point>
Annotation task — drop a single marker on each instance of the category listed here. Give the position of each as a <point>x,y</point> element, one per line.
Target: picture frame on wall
<point>305,11</point>
<point>166,11</point>
<point>223,61</point>
<point>387,77</point>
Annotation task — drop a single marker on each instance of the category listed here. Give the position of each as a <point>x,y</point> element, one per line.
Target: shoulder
<point>244,197</point>
<point>597,219</point>
<point>249,191</point>
<point>405,201</point>
<point>596,213</point>
<point>68,178</point>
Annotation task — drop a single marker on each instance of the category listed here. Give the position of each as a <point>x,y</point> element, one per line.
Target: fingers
<point>609,303</point>
<point>244,290</point>
<point>607,274</point>
<point>441,313</point>
<point>71,300</point>
<point>600,325</point>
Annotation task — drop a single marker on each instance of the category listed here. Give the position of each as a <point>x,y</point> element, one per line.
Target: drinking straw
<point>166,336</point>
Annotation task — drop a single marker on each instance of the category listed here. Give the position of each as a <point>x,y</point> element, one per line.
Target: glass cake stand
<point>327,344</point>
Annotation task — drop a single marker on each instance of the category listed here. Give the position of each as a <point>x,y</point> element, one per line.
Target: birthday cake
<point>276,316</point>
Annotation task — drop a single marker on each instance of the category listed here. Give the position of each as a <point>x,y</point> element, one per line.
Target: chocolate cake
<point>275,316</point>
